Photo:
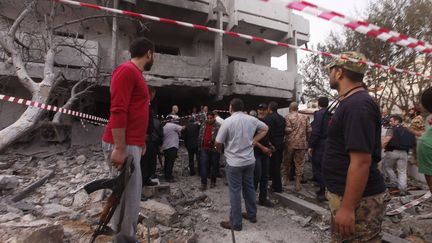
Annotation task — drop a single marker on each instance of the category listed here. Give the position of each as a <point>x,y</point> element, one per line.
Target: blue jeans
<point>208,163</point>
<point>241,179</point>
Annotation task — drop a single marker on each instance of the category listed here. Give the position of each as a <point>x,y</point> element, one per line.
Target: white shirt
<point>219,120</point>
<point>237,133</point>
<point>171,133</point>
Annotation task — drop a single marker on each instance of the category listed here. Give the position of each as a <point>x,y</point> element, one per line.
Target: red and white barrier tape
<point>235,34</point>
<point>193,116</point>
<point>360,26</point>
<point>50,108</point>
<point>410,204</point>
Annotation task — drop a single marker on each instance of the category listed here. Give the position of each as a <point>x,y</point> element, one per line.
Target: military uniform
<point>297,132</point>
<point>369,216</point>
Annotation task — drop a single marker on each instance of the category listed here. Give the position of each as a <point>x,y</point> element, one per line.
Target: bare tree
<point>39,91</point>
<point>44,45</point>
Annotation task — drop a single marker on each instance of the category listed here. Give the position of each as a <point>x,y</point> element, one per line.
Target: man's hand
<point>345,221</point>
<point>266,151</point>
<point>118,157</point>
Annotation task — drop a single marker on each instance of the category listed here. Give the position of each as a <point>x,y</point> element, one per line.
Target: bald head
<point>174,109</point>
<point>293,106</point>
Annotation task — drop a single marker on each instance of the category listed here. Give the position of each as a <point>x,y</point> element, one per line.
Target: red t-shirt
<point>129,104</point>
<point>207,137</point>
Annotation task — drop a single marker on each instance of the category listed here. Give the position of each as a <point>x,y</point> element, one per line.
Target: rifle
<point>117,186</point>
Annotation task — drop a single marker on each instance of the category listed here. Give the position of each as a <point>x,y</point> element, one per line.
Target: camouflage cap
<point>356,67</point>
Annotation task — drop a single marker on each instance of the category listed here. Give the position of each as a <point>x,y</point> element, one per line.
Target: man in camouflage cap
<point>355,188</point>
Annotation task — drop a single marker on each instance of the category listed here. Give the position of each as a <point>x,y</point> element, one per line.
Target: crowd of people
<point>343,142</point>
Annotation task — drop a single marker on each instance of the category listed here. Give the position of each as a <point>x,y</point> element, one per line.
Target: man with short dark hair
<point>125,133</point>
<point>208,154</point>
<point>240,133</point>
<point>424,143</point>
<point>317,144</point>
<point>396,152</point>
<point>356,191</point>
<point>276,124</point>
<point>190,134</point>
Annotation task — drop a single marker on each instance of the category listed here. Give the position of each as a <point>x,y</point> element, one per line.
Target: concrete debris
<point>302,221</point>
<point>81,159</point>
<point>177,212</point>
<point>80,199</point>
<point>51,234</point>
<point>164,214</point>
<point>9,217</point>
<point>53,210</point>
<point>8,182</point>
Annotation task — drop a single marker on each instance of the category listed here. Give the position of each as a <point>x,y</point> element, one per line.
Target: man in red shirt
<point>125,134</point>
<point>208,154</point>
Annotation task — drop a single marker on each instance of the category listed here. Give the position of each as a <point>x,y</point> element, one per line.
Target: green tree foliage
<point>392,90</point>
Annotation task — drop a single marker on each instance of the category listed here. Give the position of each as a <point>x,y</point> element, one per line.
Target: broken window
<point>167,50</point>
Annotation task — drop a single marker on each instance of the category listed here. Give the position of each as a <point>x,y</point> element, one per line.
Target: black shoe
<point>227,225</point>
<point>203,187</point>
<point>192,173</point>
<point>272,190</point>
<point>266,203</point>
<point>321,197</point>
<point>303,181</point>
<point>252,220</point>
<point>212,184</point>
<point>150,183</point>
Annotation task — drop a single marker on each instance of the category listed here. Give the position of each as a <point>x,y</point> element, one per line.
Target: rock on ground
<point>164,213</point>
<point>8,182</point>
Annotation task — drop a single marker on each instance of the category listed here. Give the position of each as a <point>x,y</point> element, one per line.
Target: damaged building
<point>192,67</point>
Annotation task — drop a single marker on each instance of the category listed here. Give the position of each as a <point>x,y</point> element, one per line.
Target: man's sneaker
<point>252,220</point>
<point>227,225</point>
<point>266,203</point>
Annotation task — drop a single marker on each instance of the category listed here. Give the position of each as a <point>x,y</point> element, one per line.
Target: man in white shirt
<point>219,119</point>
<point>240,133</point>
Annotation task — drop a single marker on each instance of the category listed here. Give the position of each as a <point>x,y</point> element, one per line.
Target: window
<point>167,50</point>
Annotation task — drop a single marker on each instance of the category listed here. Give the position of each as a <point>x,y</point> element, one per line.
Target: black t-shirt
<point>276,132</point>
<point>355,126</point>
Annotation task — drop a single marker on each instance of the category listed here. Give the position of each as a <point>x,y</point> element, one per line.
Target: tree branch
<point>20,18</point>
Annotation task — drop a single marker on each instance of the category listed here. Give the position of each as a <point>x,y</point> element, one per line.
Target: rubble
<point>164,214</point>
<point>51,233</point>
<point>8,182</point>
<point>81,159</point>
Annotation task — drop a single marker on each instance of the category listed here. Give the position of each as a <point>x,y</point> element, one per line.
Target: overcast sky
<point>320,28</point>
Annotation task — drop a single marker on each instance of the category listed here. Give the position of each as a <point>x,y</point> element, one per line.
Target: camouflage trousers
<point>296,156</point>
<point>369,215</point>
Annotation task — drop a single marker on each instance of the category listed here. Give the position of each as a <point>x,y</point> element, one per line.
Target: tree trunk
<point>23,125</point>
<point>57,117</point>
